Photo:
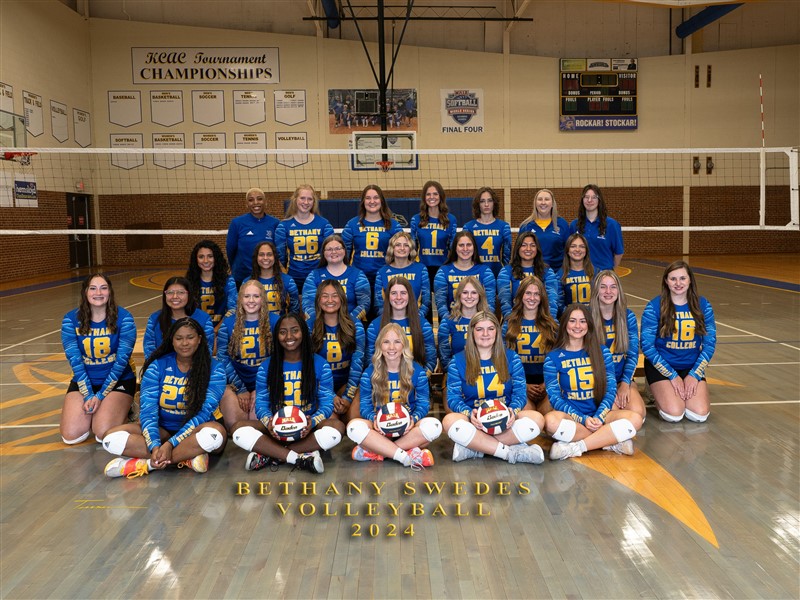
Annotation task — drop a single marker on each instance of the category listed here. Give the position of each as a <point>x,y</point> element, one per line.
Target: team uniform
<point>494,242</point>
<point>624,364</point>
<point>684,352</point>
<point>529,349</point>
<point>346,366</point>
<point>367,242</point>
<point>452,338</point>
<point>163,404</point>
<point>507,286</point>
<point>463,397</point>
<point>569,380</point>
<point>244,233</point>
<point>434,240</point>
<point>576,290</point>
<point>417,276</point>
<point>153,336</point>
<point>217,308</point>
<point>274,303</point>
<point>292,388</point>
<point>418,400</point>
<point>100,360</point>
<point>446,282</point>
<point>427,335</point>
<point>241,369</point>
<point>551,242</point>
<point>356,288</point>
<point>299,245</point>
<point>602,248</point>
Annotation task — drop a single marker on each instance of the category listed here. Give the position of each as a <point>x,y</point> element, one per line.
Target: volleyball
<point>288,423</point>
<point>493,416</point>
<point>394,419</point>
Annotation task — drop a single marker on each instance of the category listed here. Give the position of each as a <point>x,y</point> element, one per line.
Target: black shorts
<point>126,386</point>
<point>654,376</point>
<point>534,379</point>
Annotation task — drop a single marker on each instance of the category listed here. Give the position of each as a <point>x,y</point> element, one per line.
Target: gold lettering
<point>409,489</point>
<point>242,488</point>
<point>348,512</point>
<point>523,488</point>
<point>394,508</point>
<point>303,509</point>
<point>308,488</point>
<point>439,511</point>
<point>372,509</point>
<point>283,508</point>
<point>417,509</point>
<point>353,486</point>
<point>332,490</point>
<point>503,488</point>
<point>264,488</point>
<point>480,512</point>
<point>481,488</point>
<point>377,487</point>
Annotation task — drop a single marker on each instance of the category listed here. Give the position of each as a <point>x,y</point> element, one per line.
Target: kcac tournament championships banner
<point>192,65</point>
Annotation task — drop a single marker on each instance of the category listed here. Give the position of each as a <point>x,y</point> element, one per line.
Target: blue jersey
<point>292,391</point>
<point>162,402</point>
<point>417,276</point>
<point>528,346</point>
<point>551,242</point>
<point>576,290</point>
<point>356,288</point>
<point>494,242</point>
<point>569,380</point>
<point>217,308</point>
<point>100,358</point>
<point>602,248</point>
<point>507,286</point>
<point>462,397</point>
<point>427,336</point>
<point>418,400</point>
<point>346,365</point>
<point>367,242</point>
<point>299,245</point>
<point>153,336</point>
<point>274,301</point>
<point>241,369</point>
<point>452,338</point>
<point>434,240</point>
<point>624,364</point>
<point>447,279</point>
<point>684,349</point>
<point>244,234</point>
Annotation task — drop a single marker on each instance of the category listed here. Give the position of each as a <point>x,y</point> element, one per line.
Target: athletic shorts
<point>654,376</point>
<point>534,379</point>
<point>126,386</point>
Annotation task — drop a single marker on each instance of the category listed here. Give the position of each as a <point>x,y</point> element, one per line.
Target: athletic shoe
<point>310,461</point>
<point>127,467</point>
<point>625,448</point>
<point>463,453</point>
<point>562,450</point>
<point>362,455</point>
<point>256,461</point>
<point>420,459</point>
<point>522,453</point>
<point>198,464</point>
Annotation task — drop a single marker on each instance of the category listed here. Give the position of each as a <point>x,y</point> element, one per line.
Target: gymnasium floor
<point>700,511</point>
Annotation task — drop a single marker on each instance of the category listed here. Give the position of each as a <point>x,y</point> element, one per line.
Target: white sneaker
<point>625,448</point>
<point>463,453</point>
<point>562,450</point>
<point>522,453</point>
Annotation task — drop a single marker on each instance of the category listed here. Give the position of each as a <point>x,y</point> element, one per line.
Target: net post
<point>762,191</point>
<point>794,189</point>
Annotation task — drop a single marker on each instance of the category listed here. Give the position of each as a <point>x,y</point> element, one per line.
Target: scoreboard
<point>598,94</point>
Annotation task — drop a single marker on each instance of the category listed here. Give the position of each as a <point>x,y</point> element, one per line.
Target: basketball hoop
<point>384,165</point>
<point>23,158</point>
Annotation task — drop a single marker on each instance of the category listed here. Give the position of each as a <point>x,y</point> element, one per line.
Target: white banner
<point>250,141</point>
<point>125,107</point>
<point>82,125</point>
<point>127,140</point>
<point>208,107</point>
<point>249,106</point>
<point>169,140</point>
<point>462,111</point>
<point>166,107</point>
<point>290,140</point>
<point>58,121</point>
<point>165,65</point>
<point>290,106</point>
<point>34,118</point>
<point>6,97</point>
<point>209,140</point>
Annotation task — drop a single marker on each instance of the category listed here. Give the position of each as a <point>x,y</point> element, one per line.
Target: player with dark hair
<point>401,262</point>
<point>551,230</point>
<point>526,261</point>
<point>603,233</point>
<point>492,235</point>
<point>282,294</point>
<point>177,301</point>
<point>576,273</point>
<point>464,261</point>
<point>213,289</point>
<point>247,230</point>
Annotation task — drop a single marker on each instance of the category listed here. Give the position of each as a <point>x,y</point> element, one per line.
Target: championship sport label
<point>462,111</point>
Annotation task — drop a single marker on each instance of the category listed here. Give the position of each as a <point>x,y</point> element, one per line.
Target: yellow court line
<point>153,281</point>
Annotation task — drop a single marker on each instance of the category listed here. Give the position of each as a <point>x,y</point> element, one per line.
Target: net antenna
<point>23,158</point>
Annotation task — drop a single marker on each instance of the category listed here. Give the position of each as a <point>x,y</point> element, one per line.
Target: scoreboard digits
<point>598,94</point>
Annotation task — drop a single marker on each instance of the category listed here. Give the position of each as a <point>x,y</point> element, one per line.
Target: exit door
<point>80,248</point>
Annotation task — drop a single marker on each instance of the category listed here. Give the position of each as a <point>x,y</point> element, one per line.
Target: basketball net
<point>384,165</point>
<point>23,158</point>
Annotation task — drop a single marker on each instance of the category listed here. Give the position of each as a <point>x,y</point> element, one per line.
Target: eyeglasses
<point>176,293</point>
<point>334,249</point>
<point>591,197</point>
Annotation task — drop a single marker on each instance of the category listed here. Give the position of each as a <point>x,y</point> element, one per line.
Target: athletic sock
<point>292,457</point>
<point>501,452</point>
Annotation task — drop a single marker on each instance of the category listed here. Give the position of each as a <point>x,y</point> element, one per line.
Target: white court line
<point>759,336</point>
<point>25,426</point>
<point>740,403</point>
<point>35,354</point>
<point>37,383</point>
<point>38,337</point>
<point>769,364</point>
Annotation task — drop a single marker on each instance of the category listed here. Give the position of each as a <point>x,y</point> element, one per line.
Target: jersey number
<point>497,388</point>
<point>581,378</point>
<point>97,347</point>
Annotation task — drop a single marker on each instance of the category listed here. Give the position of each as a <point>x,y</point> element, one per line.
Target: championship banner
<point>34,119</point>
<point>210,140</point>
<point>159,65</point>
<point>127,140</point>
<point>169,140</point>
<point>250,141</point>
<point>166,107</point>
<point>462,111</point>
<point>249,106</point>
<point>58,121</point>
<point>6,97</point>
<point>291,140</point>
<point>290,106</point>
<point>125,107</point>
<point>82,125</point>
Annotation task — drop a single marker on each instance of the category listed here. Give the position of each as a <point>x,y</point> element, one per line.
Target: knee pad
<point>357,430</point>
<point>77,440</point>
<point>622,429</point>
<point>209,439</point>
<point>525,429</point>
<point>566,430</point>
<point>115,442</point>
<point>327,437</point>
<point>462,432</point>
<point>246,437</point>
<point>670,418</point>
<point>693,416</point>
<point>431,428</point>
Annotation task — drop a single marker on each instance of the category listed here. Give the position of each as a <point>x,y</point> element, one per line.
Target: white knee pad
<point>357,430</point>
<point>209,439</point>
<point>693,416</point>
<point>623,429</point>
<point>77,440</point>
<point>327,437</point>
<point>566,430</point>
<point>115,442</point>
<point>462,432</point>
<point>246,437</point>
<point>525,429</point>
<point>431,428</point>
<point>670,418</point>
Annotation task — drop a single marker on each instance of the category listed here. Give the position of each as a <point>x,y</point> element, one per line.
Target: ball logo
<point>461,106</point>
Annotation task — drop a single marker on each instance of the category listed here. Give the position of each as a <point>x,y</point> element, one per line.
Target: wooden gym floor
<point>700,511</point>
